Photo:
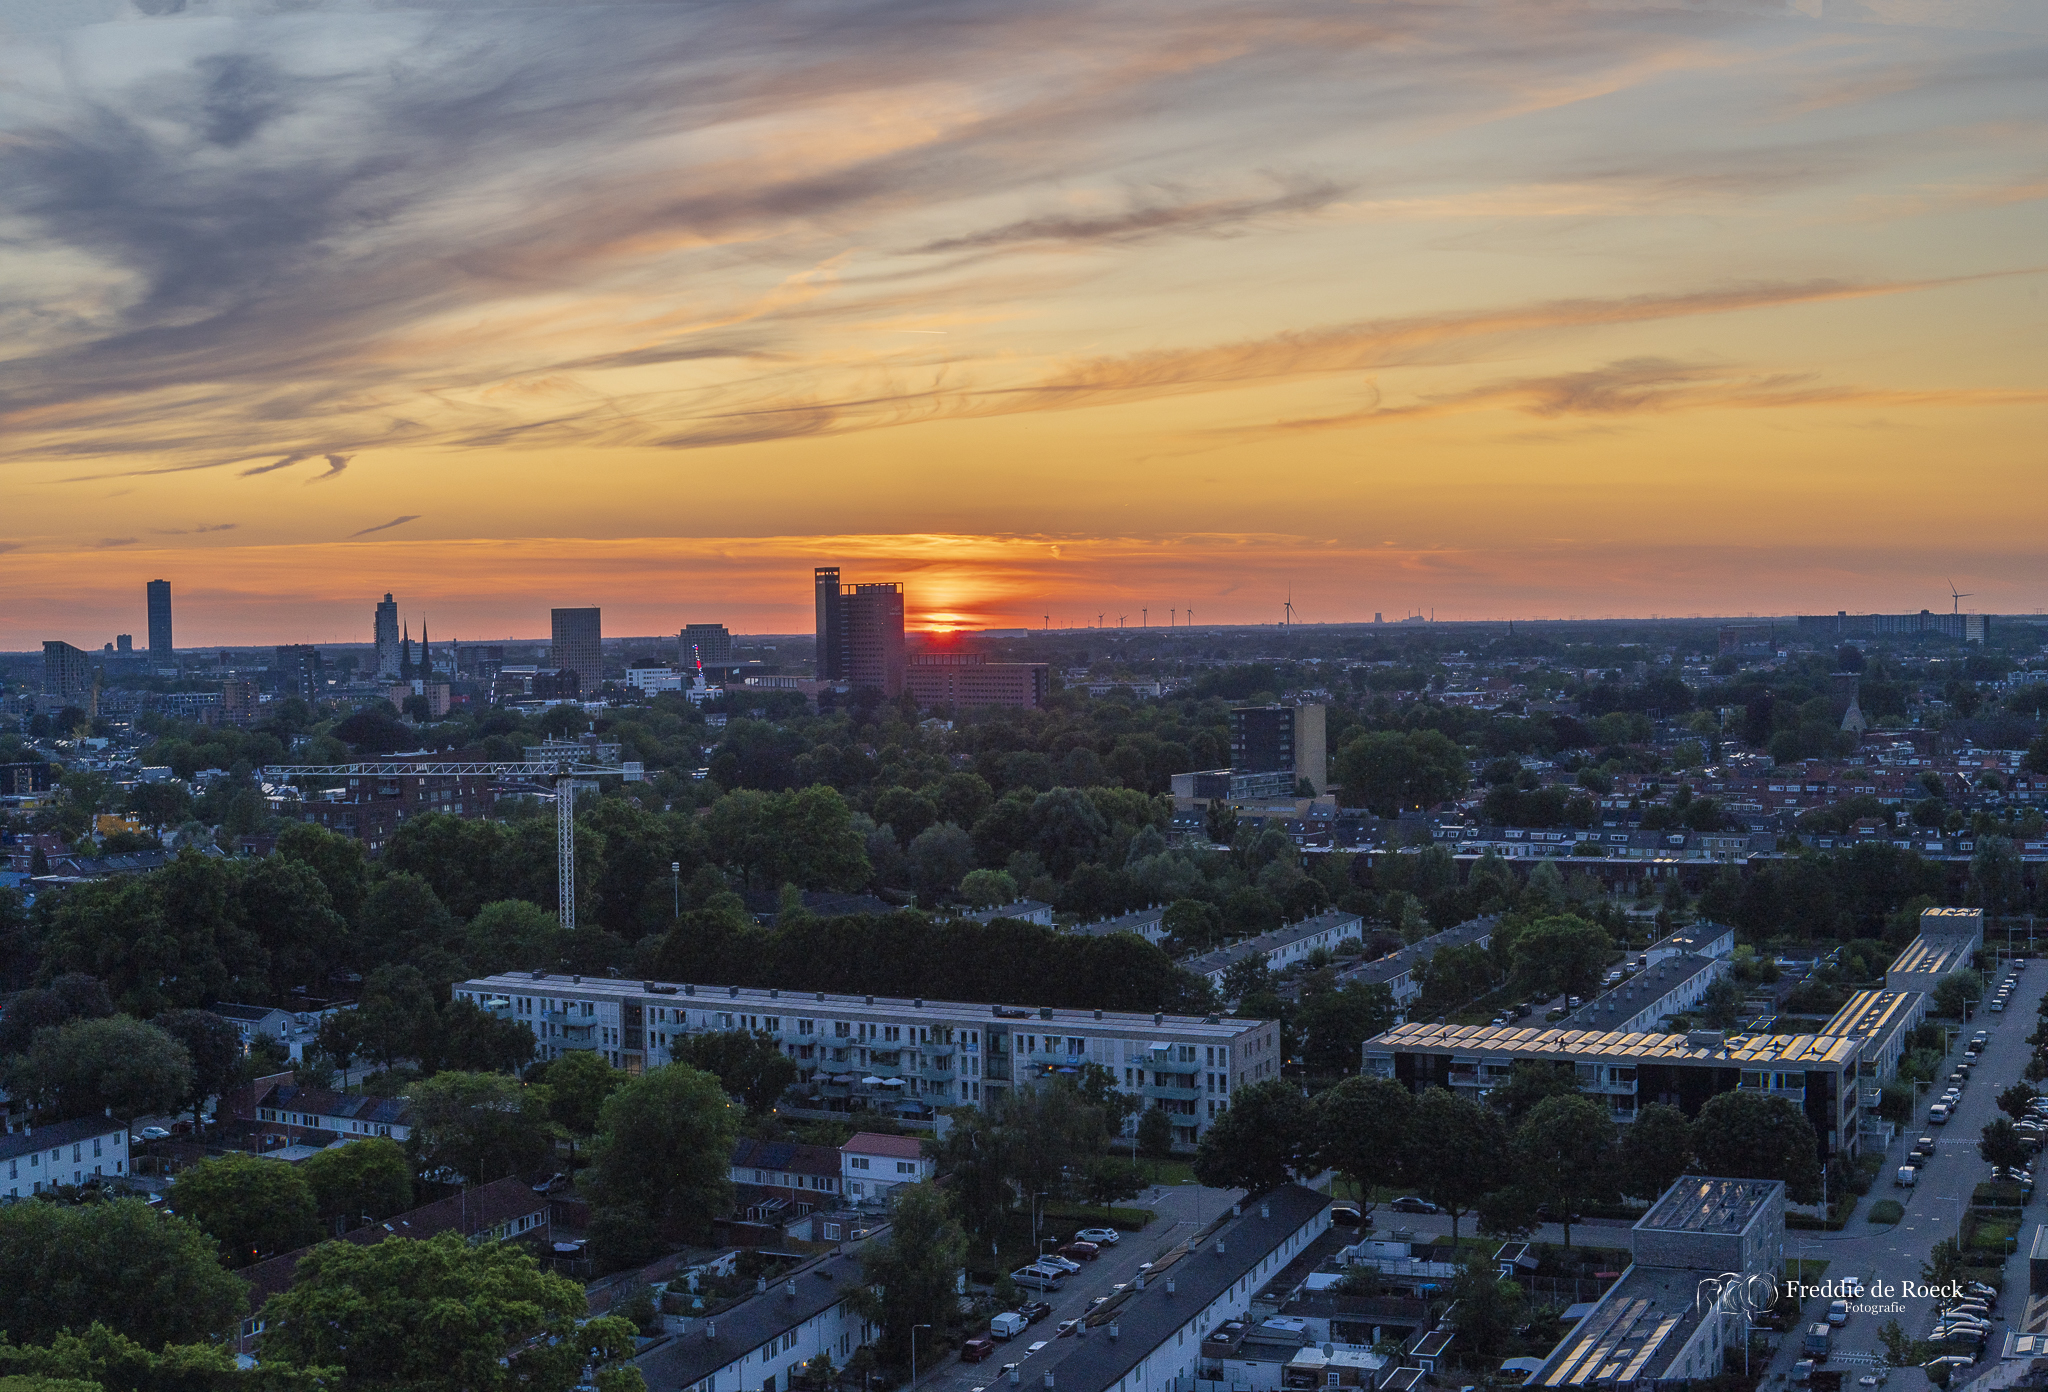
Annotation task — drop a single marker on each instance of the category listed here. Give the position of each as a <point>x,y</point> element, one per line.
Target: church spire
<point>405,655</point>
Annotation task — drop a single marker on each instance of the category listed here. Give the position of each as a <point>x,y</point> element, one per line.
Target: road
<point>1933,1206</point>
<point>1181,1209</point>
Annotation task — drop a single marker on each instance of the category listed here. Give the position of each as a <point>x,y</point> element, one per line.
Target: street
<point>1182,1209</point>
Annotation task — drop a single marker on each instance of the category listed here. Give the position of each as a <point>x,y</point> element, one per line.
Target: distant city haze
<point>1112,308</point>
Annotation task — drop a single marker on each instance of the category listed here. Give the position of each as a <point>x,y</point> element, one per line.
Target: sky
<point>1058,311</point>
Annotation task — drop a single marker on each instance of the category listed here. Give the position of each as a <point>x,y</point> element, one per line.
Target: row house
<point>37,1158</point>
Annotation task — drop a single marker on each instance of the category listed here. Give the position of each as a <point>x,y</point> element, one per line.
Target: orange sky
<point>1090,308</point>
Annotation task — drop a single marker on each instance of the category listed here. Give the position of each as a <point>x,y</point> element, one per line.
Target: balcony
<point>1178,1094</point>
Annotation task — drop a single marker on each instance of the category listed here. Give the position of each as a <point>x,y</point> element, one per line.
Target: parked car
<point>1065,1327</point>
<point>1059,1263</point>
<point>1101,1237</point>
<point>153,1133</point>
<point>1937,1115</point>
<point>1345,1216</point>
<point>1906,1178</point>
<point>977,1348</point>
<point>1080,1251</point>
<point>551,1184</point>
<point>1411,1203</point>
<point>1838,1312</point>
<point>1034,1311</point>
<point>1044,1278</point>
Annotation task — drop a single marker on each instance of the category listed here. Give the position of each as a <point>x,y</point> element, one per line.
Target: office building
<point>124,643</point>
<point>709,644</point>
<point>831,625</point>
<point>966,680</point>
<point>1948,941</point>
<point>903,1057</point>
<point>385,634</point>
<point>579,646</point>
<point>67,672</point>
<point>160,645</point>
<point>1274,739</point>
<point>1624,1071</point>
<point>860,632</point>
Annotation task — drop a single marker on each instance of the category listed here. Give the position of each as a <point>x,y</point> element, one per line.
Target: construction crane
<point>562,766</point>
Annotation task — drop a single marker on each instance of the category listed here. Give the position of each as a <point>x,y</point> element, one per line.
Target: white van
<point>1007,1325</point>
<point>1906,1177</point>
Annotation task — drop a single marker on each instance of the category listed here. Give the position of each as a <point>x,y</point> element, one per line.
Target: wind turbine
<point>1120,619</point>
<point>1099,618</point>
<point>1288,608</point>
<point>1957,597</point>
<point>1144,618</point>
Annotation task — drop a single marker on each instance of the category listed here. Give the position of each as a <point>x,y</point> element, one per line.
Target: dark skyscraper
<point>160,619</point>
<point>579,646</point>
<point>831,625</point>
<point>874,636</point>
<point>384,632</point>
<point>710,644</point>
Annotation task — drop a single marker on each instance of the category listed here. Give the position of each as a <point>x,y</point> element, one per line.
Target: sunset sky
<point>1045,309</point>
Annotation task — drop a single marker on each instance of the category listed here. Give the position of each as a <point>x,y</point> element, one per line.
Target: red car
<point>976,1349</point>
<point>1080,1251</point>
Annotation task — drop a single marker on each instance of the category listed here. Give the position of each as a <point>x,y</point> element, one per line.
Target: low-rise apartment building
<point>284,1113</point>
<point>904,1057</point>
<point>762,1344</point>
<point>36,1158</point>
<point>873,1166</point>
<point>1282,947</point>
<point>1639,1003</point>
<point>1148,923</point>
<point>1627,1070</point>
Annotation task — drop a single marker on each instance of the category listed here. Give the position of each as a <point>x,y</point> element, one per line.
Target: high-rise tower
<point>160,619</point>
<point>385,634</point>
<point>831,625</point>
<point>579,646</point>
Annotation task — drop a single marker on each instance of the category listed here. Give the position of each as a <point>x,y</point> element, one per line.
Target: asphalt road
<point>1933,1206</point>
<point>1182,1209</point>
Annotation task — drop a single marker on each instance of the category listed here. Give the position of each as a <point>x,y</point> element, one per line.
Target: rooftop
<point>876,1143</point>
<point>710,1345</point>
<point>56,1133</point>
<point>1632,1335</point>
<point>1705,1204</point>
<point>1872,1014</point>
<point>828,1002</point>
<point>1632,995</point>
<point>1563,1045</point>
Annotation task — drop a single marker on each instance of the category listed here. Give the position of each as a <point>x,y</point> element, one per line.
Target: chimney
<point>711,1329</point>
<point>1169,1285</point>
<point>1140,1282</point>
<point>1158,1017</point>
<point>760,1285</point>
<point>1112,1329</point>
<point>1219,1246</point>
<point>1265,1210</point>
<point>790,1290</point>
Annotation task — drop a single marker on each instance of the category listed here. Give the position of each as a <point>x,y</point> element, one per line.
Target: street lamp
<point>913,1349</point>
<point>675,870</point>
<point>1198,1201</point>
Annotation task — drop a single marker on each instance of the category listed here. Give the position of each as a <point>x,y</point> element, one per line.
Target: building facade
<point>831,659</point>
<point>874,636</point>
<point>64,1152</point>
<point>579,645</point>
<point>384,634</point>
<point>1281,739</point>
<point>709,644</point>
<point>965,680</point>
<point>67,672</point>
<point>904,1057</point>
<point>160,645</point>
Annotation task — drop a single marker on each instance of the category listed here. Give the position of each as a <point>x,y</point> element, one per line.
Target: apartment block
<point>159,596</point>
<point>1281,739</point>
<point>965,680</point>
<point>36,1158</point>
<point>907,1057</point>
<point>579,646</point>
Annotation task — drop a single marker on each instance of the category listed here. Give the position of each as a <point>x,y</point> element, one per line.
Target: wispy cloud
<point>336,463</point>
<point>108,543</point>
<point>1151,216</point>
<point>386,526</point>
<point>199,530</point>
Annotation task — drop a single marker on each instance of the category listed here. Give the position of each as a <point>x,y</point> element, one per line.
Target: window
<point>858,1162</point>
<point>906,1167</point>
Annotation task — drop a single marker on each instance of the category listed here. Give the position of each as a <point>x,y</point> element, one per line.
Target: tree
<point>750,1066</point>
<point>1155,1134</point>
<point>473,1040</point>
<point>659,1169</point>
<point>438,1316</point>
<point>985,889</point>
<point>1388,771</point>
<point>907,1277</point>
<point>2017,1100</point>
<point>1364,1130</point>
<point>115,1065</point>
<point>1247,976</point>
<point>1530,1081</point>
<point>1460,1151</point>
<point>1105,1179</point>
<point>1561,955</point>
<point>1336,1023</point>
<point>215,1047</point>
<point>1259,1141</point>
<point>1995,875</point>
<point>975,1159</point>
<point>1194,923</point>
<point>484,1126</point>
<point>362,1181</point>
<point>72,996</point>
<point>254,1207</point>
<point>1957,992</point>
<point>404,921</point>
<point>940,857</point>
<point>512,933</point>
<point>1488,1308</point>
<point>2001,1144</point>
<point>395,1017</point>
<point>152,1277</point>
<point>1655,1150</point>
<point>1944,1263</point>
<point>578,1083</point>
<point>1748,1134</point>
<point>1564,1152</point>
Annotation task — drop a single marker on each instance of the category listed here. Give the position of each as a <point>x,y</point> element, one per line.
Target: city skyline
<point>1567,310</point>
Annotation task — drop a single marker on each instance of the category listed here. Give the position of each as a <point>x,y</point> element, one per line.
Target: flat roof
<point>1933,954</point>
<point>1690,938</point>
<point>703,997</point>
<point>1738,1051</point>
<point>1631,996</point>
<point>1709,1204</point>
<point>1873,1014</point>
<point>1631,1337</point>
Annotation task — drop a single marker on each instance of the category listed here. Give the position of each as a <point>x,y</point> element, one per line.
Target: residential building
<point>124,644</point>
<point>763,1342</point>
<point>67,673</point>
<point>906,1057</point>
<point>1233,785</point>
<point>1022,910</point>
<point>1170,1332</point>
<point>579,646</point>
<point>1643,1000</point>
<point>299,669</point>
<point>1948,939</point>
<point>384,635</point>
<point>774,1181</point>
<point>710,644</point>
<point>253,1020</point>
<point>1282,947</point>
<point>36,1158</point>
<point>239,699</point>
<point>500,1211</point>
<point>831,657</point>
<point>1879,1021</point>
<point>1625,1071</point>
<point>1281,739</point>
<point>873,616</point>
<point>287,1114</point>
<point>1148,923</point>
<point>1677,1309</point>
<point>873,1166</point>
<point>653,679</point>
<point>25,780</point>
<point>1397,970</point>
<point>1701,939</point>
<point>160,644</point>
<point>969,679</point>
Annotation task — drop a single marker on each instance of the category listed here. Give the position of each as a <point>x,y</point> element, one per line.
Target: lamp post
<point>675,870</point>
<point>913,1349</point>
<point>1198,1201</point>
